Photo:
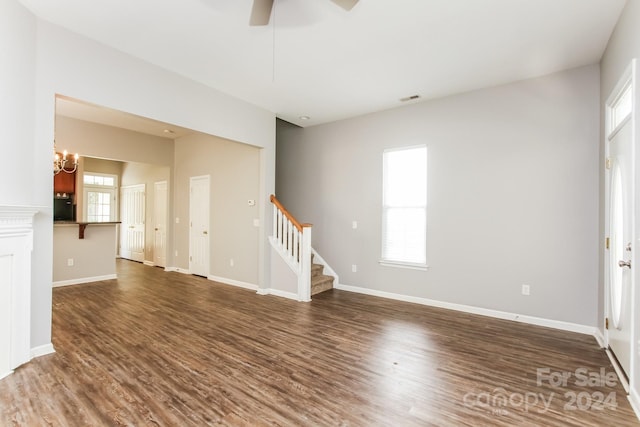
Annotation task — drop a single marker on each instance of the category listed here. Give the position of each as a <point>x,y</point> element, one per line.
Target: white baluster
<point>275,221</point>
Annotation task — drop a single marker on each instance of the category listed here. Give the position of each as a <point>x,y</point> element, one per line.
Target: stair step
<point>321,283</point>
<point>316,270</point>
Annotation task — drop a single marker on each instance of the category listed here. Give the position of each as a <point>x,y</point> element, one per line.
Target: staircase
<point>319,281</point>
<point>292,241</point>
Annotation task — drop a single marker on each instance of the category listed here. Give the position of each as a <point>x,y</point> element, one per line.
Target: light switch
<point>354,224</point>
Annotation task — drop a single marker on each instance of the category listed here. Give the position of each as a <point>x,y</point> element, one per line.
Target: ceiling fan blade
<point>346,4</point>
<point>261,12</point>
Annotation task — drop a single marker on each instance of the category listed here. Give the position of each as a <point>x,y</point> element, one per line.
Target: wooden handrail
<point>286,213</point>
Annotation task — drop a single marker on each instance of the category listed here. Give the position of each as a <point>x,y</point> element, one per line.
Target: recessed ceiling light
<point>304,117</point>
<point>169,131</point>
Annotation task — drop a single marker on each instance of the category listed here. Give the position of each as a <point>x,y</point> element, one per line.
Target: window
<point>404,207</point>
<point>100,197</point>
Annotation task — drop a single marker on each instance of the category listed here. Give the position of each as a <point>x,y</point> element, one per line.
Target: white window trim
<point>102,188</point>
<point>395,263</point>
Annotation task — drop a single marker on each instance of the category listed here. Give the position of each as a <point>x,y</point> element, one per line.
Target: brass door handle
<point>204,232</point>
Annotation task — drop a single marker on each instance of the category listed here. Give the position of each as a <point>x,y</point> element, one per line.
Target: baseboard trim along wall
<point>84,280</point>
<point>634,400</point>
<point>177,270</point>
<point>233,282</point>
<point>555,324</point>
<point>149,263</point>
<point>42,350</point>
<point>278,293</point>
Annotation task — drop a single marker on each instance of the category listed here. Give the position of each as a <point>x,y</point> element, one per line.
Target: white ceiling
<point>317,60</point>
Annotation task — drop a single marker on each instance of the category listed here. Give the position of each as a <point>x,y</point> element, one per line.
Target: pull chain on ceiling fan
<point>261,10</point>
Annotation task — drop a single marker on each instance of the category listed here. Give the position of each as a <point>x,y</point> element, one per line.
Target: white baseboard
<point>555,324</point>
<point>84,280</point>
<point>233,282</point>
<point>5,374</point>
<point>42,350</point>
<point>634,400</point>
<point>600,338</point>
<point>149,263</point>
<point>278,293</point>
<point>177,270</point>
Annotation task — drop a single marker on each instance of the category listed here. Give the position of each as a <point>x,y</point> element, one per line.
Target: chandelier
<point>59,163</point>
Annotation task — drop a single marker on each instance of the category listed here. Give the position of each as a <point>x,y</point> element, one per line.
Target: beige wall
<point>512,195</point>
<point>235,178</point>
<point>107,142</point>
<point>94,257</point>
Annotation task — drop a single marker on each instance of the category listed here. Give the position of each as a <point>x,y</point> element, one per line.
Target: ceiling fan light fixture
<point>346,4</point>
<point>260,12</point>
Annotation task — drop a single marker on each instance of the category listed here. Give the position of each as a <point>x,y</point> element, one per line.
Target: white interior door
<point>620,214</point>
<point>132,203</point>
<point>199,226</point>
<point>160,226</point>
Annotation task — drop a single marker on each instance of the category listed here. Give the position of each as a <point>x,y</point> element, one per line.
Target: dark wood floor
<point>156,348</point>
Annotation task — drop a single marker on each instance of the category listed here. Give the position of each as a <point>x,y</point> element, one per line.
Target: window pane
<point>622,108</point>
<point>108,181</point>
<point>405,205</point>
<point>405,235</point>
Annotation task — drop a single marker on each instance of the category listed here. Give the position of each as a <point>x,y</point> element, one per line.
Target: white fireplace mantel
<point>16,244</point>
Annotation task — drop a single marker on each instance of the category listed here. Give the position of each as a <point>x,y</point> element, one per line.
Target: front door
<point>199,226</point>
<point>132,202</point>
<point>620,209</point>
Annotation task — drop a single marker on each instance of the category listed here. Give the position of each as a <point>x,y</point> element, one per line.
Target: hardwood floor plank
<point>165,349</point>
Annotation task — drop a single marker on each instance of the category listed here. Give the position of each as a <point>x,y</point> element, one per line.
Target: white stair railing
<point>293,241</point>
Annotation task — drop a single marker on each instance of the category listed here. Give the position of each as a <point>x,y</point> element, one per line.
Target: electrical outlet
<point>177,220</point>
<point>256,222</point>
<point>70,262</point>
<point>354,268</point>
<point>354,224</point>
<point>526,290</point>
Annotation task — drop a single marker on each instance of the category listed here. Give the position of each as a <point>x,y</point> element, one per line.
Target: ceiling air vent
<point>409,98</point>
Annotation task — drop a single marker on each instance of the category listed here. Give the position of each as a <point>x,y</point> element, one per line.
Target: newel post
<point>304,279</point>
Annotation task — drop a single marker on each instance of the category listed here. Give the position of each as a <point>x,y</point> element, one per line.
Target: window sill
<point>408,265</point>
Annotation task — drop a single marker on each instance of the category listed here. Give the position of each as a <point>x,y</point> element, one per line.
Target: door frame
<point>627,79</point>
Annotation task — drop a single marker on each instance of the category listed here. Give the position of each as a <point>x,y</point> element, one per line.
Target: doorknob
<point>204,232</point>
<point>624,264</point>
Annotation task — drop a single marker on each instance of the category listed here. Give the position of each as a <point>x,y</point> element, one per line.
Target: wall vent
<point>409,98</point>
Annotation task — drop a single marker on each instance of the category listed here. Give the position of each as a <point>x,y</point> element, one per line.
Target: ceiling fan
<point>261,10</point>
